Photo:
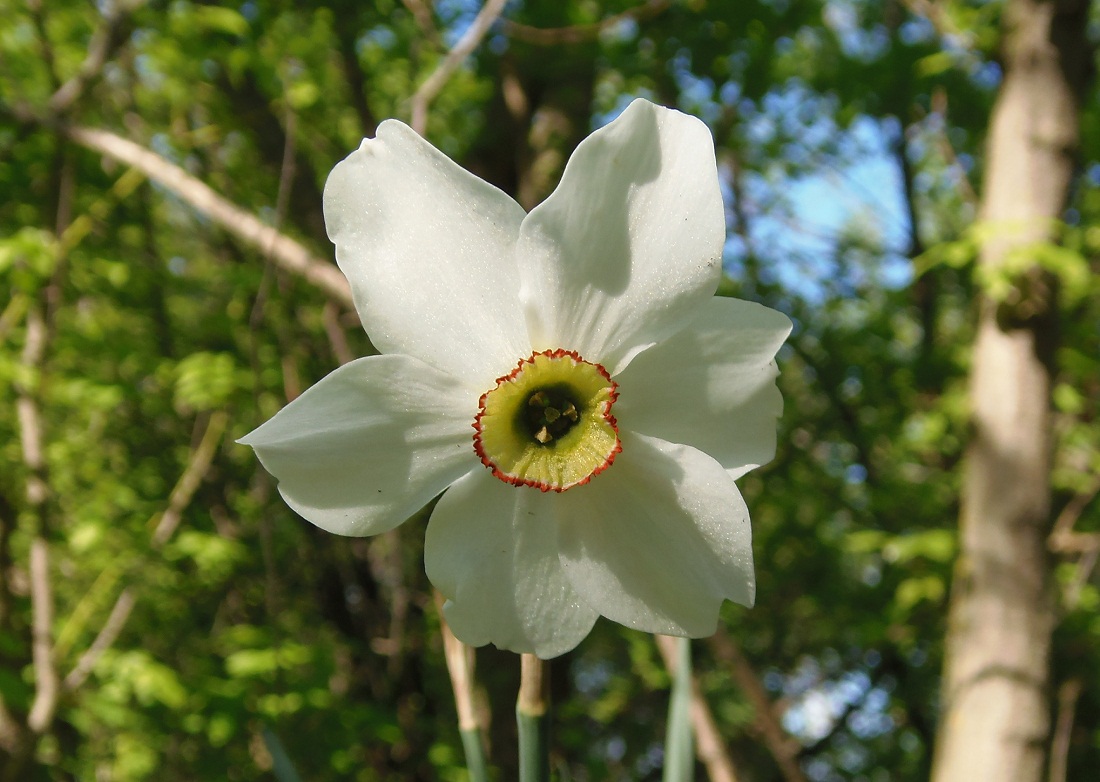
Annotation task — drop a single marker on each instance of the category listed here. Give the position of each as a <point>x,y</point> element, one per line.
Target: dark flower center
<point>550,413</point>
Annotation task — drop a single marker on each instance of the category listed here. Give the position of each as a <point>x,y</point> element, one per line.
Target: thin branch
<point>106,637</point>
<point>709,747</point>
<point>101,47</point>
<point>553,36</point>
<point>189,482</point>
<point>423,16</point>
<point>1084,570</point>
<point>1068,694</point>
<point>1063,539</point>
<point>782,747</point>
<point>848,415</point>
<point>469,41</point>
<point>941,19</point>
<point>287,253</point>
<point>1063,525</point>
<point>347,38</point>
<point>39,21</point>
<point>947,149</point>
<point>47,684</point>
<point>183,492</point>
<point>46,681</point>
<point>337,339</point>
<point>12,314</point>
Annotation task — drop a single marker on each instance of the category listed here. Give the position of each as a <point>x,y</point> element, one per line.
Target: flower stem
<point>460,666</point>
<point>679,755</point>
<point>475,754</point>
<point>533,719</point>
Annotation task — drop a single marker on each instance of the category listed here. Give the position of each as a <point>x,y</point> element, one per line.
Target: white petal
<point>630,243</point>
<point>429,251</point>
<point>492,549</point>
<point>370,444</point>
<point>711,385</point>
<point>659,540</point>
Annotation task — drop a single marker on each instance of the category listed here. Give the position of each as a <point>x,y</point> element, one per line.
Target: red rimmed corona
<point>548,423</point>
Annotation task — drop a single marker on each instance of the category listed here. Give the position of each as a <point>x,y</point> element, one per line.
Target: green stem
<point>679,755</point>
<point>475,754</point>
<point>533,719</point>
<point>460,666</point>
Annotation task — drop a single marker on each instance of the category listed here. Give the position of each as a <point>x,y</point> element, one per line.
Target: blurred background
<point>916,183</point>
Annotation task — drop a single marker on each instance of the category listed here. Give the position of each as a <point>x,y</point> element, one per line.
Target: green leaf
<point>220,19</point>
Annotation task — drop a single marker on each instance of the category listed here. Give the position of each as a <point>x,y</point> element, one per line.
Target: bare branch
<point>423,16</point>
<point>941,19</point>
<point>1068,694</point>
<point>469,41</point>
<point>47,685</point>
<point>709,747</point>
<point>287,253</point>
<point>188,483</point>
<point>330,318</point>
<point>553,36</point>
<point>781,746</point>
<point>107,635</point>
<point>1062,531</point>
<point>180,498</point>
<point>102,45</point>
<point>947,149</point>
<point>39,20</point>
<point>46,682</point>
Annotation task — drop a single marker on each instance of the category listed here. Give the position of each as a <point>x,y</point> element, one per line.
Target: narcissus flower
<point>566,378</point>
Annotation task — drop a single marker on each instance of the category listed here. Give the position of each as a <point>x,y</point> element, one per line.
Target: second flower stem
<point>533,719</point>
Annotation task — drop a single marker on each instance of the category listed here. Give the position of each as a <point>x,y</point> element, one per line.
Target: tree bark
<point>995,722</point>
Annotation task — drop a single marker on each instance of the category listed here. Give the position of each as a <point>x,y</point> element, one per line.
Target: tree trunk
<point>995,722</point>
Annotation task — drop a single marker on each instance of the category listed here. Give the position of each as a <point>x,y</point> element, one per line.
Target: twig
<point>709,747</point>
<point>284,251</point>
<point>552,36</point>
<point>188,483</point>
<point>12,314</point>
<point>781,746</point>
<point>947,149</point>
<point>104,42</point>
<point>1068,695</point>
<point>35,8</point>
<point>1063,525</point>
<point>107,635</point>
<point>469,41</point>
<point>848,415</point>
<point>940,19</point>
<point>423,16</point>
<point>1085,566</point>
<point>337,339</point>
<point>180,498</point>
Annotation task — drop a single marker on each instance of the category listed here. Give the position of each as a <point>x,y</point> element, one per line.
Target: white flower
<point>614,400</point>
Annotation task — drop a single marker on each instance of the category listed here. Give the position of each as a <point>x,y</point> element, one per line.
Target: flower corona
<point>548,423</point>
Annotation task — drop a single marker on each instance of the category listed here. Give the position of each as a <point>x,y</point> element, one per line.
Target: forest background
<point>916,183</point>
